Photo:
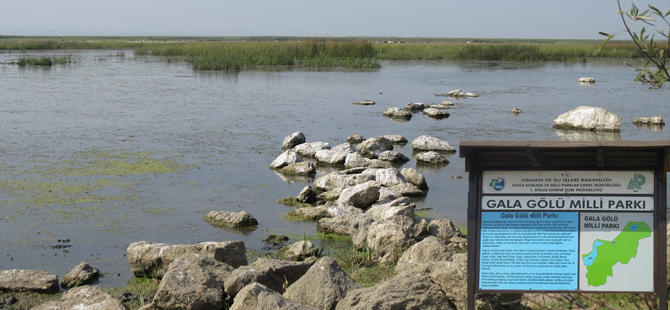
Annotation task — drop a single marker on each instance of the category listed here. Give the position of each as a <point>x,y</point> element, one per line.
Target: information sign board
<point>566,231</point>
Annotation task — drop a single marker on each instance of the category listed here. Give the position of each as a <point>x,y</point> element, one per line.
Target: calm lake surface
<point>206,140</point>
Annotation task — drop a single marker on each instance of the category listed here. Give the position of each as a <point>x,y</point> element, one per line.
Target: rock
<point>193,282</point>
<point>427,143</point>
<point>309,213</point>
<point>355,139</point>
<point>408,190</point>
<point>20,280</point>
<point>365,102</point>
<point>230,219</point>
<point>273,273</point>
<point>324,284</point>
<point>430,249</point>
<point>588,80</point>
<point>341,225</point>
<point>355,160</point>
<point>292,140</point>
<point>446,104</point>
<point>459,93</point>
<point>393,157</point>
<point>415,106</point>
<point>414,177</point>
<point>309,148</point>
<point>152,259</point>
<point>395,139</point>
<point>588,118</point>
<point>331,157</point>
<point>431,157</point>
<point>301,250</point>
<point>84,297</point>
<point>436,113</point>
<point>371,148</point>
<point>307,195</point>
<point>387,194</point>
<point>345,147</point>
<point>444,229</point>
<point>450,276</point>
<point>275,239</point>
<point>286,158</point>
<point>397,113</point>
<point>301,168</point>
<point>80,275</point>
<point>360,196</point>
<point>256,296</point>
<point>654,120</point>
<point>342,179</point>
<point>387,238</point>
<point>401,206</point>
<point>403,291</point>
<point>389,177</point>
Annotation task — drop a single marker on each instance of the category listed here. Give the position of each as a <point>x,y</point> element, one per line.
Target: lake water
<point>222,131</point>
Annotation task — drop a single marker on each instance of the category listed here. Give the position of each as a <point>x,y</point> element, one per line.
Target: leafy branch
<point>655,70</point>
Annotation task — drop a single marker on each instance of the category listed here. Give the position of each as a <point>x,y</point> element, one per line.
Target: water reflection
<point>652,128</point>
<point>294,178</point>
<point>587,135</point>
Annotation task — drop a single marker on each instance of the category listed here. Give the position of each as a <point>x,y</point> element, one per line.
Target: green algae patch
<point>101,163</point>
<point>100,186</point>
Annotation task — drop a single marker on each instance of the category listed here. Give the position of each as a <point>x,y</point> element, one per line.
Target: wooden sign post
<point>582,217</point>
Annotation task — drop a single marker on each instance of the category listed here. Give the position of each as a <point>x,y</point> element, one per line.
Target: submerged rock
<point>415,106</point>
<point>431,157</point>
<point>230,219</point>
<point>436,113</point>
<point>428,143</point>
<point>397,113</point>
<point>588,118</point>
<point>654,120</point>
<point>365,102</point>
<point>587,80</point>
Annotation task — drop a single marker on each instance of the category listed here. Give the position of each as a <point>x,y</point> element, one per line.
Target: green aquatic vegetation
<point>46,61</point>
<point>97,185</point>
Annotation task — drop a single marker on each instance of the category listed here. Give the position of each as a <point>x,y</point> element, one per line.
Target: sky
<point>532,19</point>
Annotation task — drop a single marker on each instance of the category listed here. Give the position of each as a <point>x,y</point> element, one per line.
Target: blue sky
<point>564,19</point>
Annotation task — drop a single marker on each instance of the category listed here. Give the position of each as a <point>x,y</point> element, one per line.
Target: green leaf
<point>655,10</point>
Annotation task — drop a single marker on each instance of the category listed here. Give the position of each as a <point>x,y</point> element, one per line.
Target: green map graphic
<point>606,254</point>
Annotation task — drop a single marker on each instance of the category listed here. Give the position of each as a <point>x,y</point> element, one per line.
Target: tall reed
<point>237,55</point>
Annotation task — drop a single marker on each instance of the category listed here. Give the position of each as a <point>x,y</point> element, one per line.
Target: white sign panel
<point>568,182</point>
<point>568,203</point>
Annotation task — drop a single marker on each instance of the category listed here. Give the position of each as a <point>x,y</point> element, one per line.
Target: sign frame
<point>596,162</point>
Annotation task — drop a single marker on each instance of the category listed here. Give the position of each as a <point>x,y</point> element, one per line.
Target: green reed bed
<point>46,61</point>
<point>502,51</point>
<point>230,56</point>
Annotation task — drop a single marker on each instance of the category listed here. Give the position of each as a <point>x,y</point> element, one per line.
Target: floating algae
<point>96,185</point>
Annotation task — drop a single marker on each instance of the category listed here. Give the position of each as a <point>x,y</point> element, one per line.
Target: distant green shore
<point>236,53</point>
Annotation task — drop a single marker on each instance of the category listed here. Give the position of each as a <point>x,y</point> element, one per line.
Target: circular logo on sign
<point>497,184</point>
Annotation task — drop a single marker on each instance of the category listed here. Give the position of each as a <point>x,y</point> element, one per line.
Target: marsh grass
<point>234,56</point>
<point>46,61</point>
